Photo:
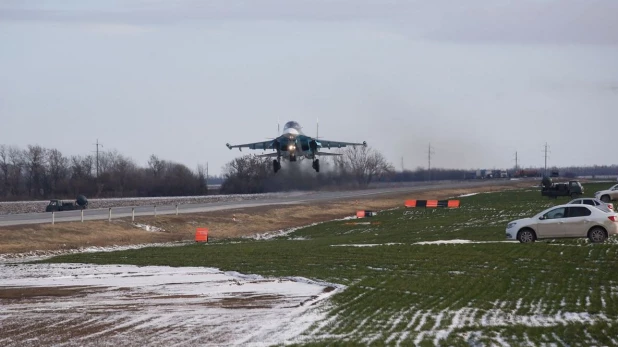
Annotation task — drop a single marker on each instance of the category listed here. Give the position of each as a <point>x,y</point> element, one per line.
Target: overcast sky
<point>479,79</point>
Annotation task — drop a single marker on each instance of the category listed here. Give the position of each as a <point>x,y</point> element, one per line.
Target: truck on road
<point>573,189</point>
<point>56,205</point>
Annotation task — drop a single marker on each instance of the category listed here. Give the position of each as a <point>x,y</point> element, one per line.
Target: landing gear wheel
<point>597,235</point>
<point>526,236</point>
<point>316,165</point>
<point>276,165</point>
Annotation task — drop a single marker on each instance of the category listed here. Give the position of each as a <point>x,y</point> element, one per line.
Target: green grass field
<point>554,292</point>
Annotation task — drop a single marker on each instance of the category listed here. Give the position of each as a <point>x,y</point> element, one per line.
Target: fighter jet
<point>293,145</point>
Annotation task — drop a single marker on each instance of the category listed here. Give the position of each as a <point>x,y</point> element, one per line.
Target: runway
<point>302,198</point>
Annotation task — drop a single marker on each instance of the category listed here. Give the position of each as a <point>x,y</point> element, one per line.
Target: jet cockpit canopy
<point>292,125</point>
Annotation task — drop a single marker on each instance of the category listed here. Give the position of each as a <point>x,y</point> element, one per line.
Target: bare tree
<point>16,160</point>
<point>58,170</point>
<point>363,163</point>
<point>82,180</point>
<point>202,180</point>
<point>246,174</point>
<point>35,168</point>
<point>4,170</point>
<point>121,171</point>
<point>156,165</point>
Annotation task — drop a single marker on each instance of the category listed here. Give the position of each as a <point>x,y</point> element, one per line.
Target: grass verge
<point>562,292</point>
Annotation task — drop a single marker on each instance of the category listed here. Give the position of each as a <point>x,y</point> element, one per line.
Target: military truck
<point>56,205</point>
<point>573,189</point>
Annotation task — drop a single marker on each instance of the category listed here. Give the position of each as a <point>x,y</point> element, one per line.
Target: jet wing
<point>254,145</point>
<point>337,144</point>
<point>328,154</point>
<point>267,155</point>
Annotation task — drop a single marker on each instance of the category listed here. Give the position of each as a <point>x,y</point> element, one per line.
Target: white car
<point>605,206</point>
<point>608,194</point>
<point>565,221</point>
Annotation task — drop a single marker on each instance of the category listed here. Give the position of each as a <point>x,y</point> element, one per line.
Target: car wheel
<point>526,236</point>
<point>597,235</point>
<point>605,198</point>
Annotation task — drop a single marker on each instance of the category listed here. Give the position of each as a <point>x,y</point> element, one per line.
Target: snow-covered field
<point>124,305</point>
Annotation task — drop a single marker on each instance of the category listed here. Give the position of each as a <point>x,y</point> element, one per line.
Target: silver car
<point>565,221</point>
<point>605,206</point>
<point>608,194</point>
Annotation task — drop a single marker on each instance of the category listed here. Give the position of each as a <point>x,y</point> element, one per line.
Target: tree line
<point>355,167</point>
<point>41,173</point>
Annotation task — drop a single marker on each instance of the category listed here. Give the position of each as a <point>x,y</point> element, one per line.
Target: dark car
<point>56,205</point>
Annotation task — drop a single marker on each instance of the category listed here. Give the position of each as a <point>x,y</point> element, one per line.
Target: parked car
<point>608,194</point>
<point>565,221</point>
<point>605,206</point>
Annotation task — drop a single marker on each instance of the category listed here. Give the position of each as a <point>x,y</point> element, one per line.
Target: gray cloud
<point>524,21</point>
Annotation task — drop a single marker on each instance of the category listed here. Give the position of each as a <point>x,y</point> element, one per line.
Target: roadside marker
<point>432,203</point>
<point>363,214</point>
<point>410,203</point>
<point>201,234</point>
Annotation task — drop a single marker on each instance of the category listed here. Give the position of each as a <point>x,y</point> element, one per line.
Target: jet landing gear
<point>276,165</point>
<point>316,165</point>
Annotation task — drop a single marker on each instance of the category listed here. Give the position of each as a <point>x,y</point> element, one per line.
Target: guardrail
<point>109,216</point>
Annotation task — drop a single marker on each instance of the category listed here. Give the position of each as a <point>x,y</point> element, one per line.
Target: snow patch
<point>160,305</point>
<point>148,227</point>
<point>457,241</point>
<point>367,244</point>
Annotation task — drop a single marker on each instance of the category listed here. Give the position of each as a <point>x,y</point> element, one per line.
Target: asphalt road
<point>119,212</point>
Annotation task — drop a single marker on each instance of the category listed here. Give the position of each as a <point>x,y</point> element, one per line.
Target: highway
<point>123,212</point>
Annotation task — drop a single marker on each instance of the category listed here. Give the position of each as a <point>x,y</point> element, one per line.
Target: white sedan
<point>608,194</point>
<point>605,206</point>
<point>565,221</point>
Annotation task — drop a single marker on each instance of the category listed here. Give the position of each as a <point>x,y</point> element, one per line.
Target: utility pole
<point>206,175</point>
<point>545,172</point>
<point>401,164</point>
<point>429,153</point>
<point>98,144</point>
